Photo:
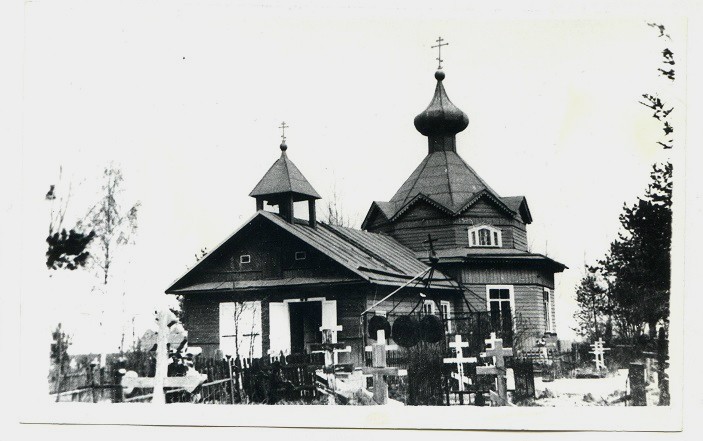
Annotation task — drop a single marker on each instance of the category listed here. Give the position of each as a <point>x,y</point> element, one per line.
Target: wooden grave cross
<point>498,352</point>
<point>379,367</point>
<point>330,348</point>
<point>459,360</point>
<point>599,352</point>
<point>162,338</point>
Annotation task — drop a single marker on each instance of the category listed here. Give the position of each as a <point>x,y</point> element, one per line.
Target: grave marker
<point>498,352</point>
<point>330,348</point>
<point>459,360</point>
<point>599,352</point>
<point>379,368</point>
<point>161,379</point>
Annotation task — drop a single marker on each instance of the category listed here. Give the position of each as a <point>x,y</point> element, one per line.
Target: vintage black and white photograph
<point>232,207</point>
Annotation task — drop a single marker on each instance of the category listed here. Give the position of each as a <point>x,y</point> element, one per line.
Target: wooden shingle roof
<point>284,177</point>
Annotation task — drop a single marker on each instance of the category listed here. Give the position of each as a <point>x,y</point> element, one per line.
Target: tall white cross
<point>599,353</point>
<point>459,360</point>
<point>167,334</point>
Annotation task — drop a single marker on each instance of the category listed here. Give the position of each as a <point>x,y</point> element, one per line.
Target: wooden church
<point>444,244</point>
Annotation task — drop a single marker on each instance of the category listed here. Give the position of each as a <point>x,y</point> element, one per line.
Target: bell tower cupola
<point>283,185</point>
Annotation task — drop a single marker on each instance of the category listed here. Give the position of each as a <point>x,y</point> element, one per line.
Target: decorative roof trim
<point>374,207</point>
<point>485,193</point>
<point>420,197</point>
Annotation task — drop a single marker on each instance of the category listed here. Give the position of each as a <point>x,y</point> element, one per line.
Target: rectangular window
<point>446,311</point>
<point>547,301</point>
<point>484,237</point>
<point>500,307</point>
<point>428,306</point>
<point>245,258</point>
<point>473,238</point>
<point>300,255</point>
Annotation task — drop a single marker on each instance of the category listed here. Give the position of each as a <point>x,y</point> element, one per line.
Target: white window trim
<point>511,290</point>
<point>550,305</point>
<point>492,230</point>
<point>245,258</point>
<point>448,318</point>
<point>428,302</point>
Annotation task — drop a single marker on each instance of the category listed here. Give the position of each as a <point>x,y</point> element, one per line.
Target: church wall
<point>452,232</point>
<point>530,321</point>
<point>506,275</point>
<point>202,315</point>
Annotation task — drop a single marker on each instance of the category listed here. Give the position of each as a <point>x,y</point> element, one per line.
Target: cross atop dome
<point>439,51</point>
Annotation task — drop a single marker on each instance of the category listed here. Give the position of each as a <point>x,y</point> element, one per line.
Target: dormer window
<point>485,236</point>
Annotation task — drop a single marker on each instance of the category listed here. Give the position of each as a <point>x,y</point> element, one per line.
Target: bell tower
<point>283,185</point>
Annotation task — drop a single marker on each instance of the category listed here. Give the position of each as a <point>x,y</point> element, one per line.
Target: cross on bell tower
<point>283,128</point>
<point>439,50</point>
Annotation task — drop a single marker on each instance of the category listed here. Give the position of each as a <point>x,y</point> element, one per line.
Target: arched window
<point>485,236</point>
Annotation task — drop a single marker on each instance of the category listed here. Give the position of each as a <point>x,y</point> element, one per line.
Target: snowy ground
<point>582,391</point>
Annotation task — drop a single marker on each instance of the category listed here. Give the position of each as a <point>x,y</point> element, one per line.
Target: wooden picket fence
<point>249,380</point>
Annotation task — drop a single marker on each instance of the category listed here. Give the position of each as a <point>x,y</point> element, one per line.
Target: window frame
<point>244,259</point>
<point>429,302</point>
<point>300,253</point>
<point>493,234</point>
<point>548,304</point>
<point>447,319</point>
<point>511,291</point>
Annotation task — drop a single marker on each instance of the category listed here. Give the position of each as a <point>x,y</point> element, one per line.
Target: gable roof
<point>444,180</point>
<point>284,177</point>
<point>519,205</point>
<point>372,257</point>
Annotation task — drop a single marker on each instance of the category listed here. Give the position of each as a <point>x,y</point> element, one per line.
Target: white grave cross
<point>459,360</point>
<point>330,348</point>
<point>599,352</point>
<point>161,379</point>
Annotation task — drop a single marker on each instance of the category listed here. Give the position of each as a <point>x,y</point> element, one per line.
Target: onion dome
<point>441,117</point>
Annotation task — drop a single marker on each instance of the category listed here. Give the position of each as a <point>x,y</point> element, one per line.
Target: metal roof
<point>485,253</point>
<point>284,177</point>
<point>374,258</point>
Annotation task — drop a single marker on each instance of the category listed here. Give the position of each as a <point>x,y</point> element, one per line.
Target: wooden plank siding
<point>202,314</point>
<point>272,256</point>
<point>411,229</point>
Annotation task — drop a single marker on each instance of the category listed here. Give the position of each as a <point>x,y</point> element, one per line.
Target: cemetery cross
<point>330,348</point>
<point>459,360</point>
<point>498,352</point>
<point>379,368</point>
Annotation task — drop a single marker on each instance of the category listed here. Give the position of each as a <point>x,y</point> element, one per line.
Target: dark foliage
<point>62,341</point>
<point>630,286</point>
<point>68,250</point>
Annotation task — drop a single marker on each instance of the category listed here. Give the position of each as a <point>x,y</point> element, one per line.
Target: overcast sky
<point>187,98</point>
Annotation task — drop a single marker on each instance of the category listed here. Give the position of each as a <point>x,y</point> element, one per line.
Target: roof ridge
<point>449,180</point>
<point>417,178</point>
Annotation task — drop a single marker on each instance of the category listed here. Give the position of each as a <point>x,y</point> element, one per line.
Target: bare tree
<point>333,211</point>
<point>114,226</point>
